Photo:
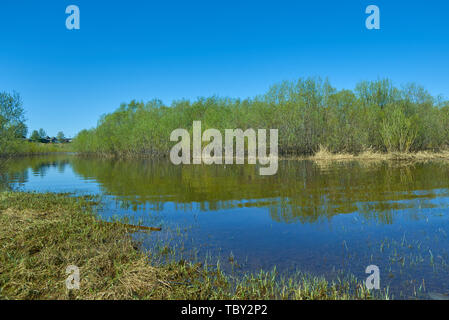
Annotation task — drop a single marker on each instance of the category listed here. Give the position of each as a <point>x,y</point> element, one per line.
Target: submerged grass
<point>42,234</point>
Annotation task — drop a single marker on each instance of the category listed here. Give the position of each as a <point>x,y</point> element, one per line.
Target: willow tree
<point>12,122</point>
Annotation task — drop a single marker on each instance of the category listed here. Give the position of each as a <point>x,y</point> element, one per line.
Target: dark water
<point>317,217</point>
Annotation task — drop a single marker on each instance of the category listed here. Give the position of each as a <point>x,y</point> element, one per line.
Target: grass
<point>28,148</point>
<point>42,234</point>
<point>25,148</point>
<point>324,154</point>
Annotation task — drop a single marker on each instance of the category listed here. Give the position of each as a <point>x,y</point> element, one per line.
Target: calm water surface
<point>318,217</point>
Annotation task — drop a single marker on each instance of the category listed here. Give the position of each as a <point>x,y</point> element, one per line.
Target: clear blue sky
<point>184,49</point>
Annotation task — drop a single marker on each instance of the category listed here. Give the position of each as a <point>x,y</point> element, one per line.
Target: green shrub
<point>397,131</point>
<point>308,113</point>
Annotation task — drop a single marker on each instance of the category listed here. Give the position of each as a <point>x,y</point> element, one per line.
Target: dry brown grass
<point>49,233</point>
<point>323,154</point>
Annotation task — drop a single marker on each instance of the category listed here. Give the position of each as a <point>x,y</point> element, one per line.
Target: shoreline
<point>321,155</point>
<point>43,233</point>
<point>324,155</point>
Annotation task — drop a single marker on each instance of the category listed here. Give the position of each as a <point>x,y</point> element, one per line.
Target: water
<point>322,218</point>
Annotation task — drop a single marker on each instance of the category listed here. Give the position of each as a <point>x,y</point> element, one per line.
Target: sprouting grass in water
<point>41,234</point>
<point>431,258</point>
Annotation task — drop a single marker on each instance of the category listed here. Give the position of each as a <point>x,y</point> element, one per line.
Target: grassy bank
<point>24,148</point>
<point>42,234</point>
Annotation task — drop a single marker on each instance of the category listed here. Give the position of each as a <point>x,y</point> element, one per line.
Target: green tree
<point>60,136</point>
<point>380,92</point>
<point>35,136</point>
<point>21,130</point>
<point>398,132</point>
<point>42,133</point>
<point>11,108</point>
<point>12,121</point>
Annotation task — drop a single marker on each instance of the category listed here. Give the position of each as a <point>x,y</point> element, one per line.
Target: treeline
<point>13,130</point>
<point>309,113</point>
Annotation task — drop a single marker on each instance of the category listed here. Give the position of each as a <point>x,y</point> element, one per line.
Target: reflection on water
<point>316,217</point>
